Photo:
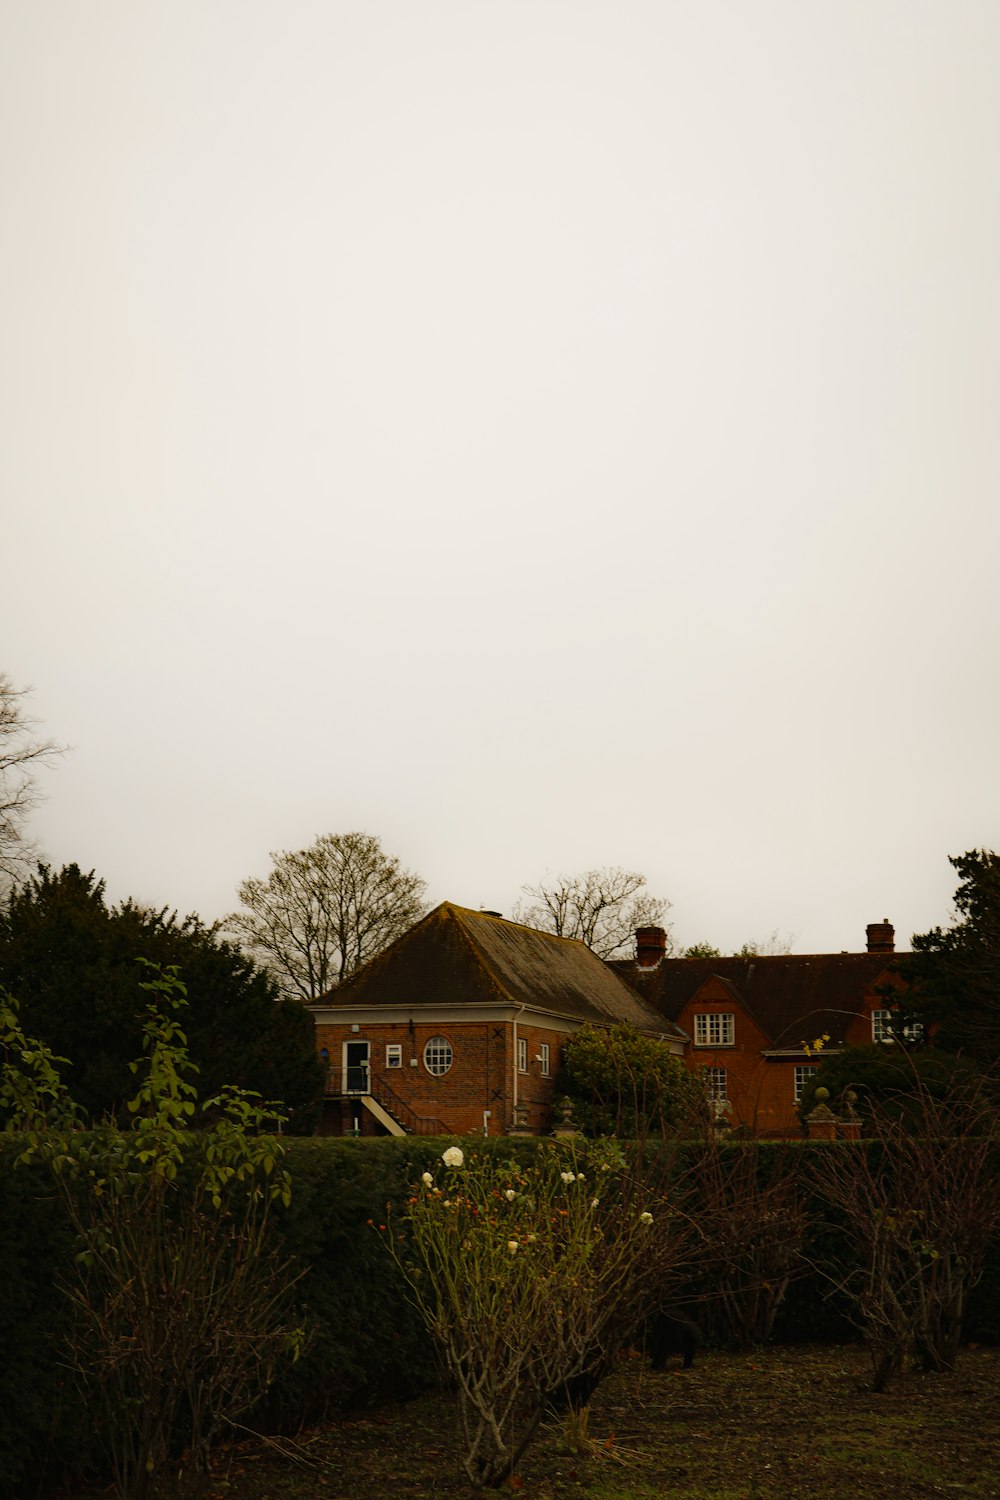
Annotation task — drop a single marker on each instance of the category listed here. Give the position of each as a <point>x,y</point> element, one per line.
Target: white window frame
<point>543,1059</point>
<point>439,1055</point>
<point>803,1073</point>
<point>882,1029</point>
<point>714,1028</point>
<point>717,1083</point>
<point>394,1054</point>
<point>522,1054</point>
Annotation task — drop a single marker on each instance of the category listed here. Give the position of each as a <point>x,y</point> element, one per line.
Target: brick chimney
<point>650,946</point>
<point>881,936</point>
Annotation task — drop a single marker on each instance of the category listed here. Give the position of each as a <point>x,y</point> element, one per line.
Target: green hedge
<point>366,1342</point>
<point>43,1431</point>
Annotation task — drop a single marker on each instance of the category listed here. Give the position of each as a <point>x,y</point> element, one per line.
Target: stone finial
<point>565,1127</point>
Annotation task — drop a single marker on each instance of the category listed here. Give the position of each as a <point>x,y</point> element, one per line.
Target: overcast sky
<point>543,434</point>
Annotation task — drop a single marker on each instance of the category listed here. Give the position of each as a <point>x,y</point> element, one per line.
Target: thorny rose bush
<point>529,1278</point>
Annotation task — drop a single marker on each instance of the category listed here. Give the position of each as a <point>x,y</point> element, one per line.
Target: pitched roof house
<point>457,1026</point>
<point>750,1020</point>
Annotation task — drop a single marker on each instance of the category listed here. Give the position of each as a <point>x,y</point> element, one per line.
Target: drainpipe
<point>520,1012</point>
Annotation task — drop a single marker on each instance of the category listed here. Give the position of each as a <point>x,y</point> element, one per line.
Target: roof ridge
<point>543,932</point>
<point>456,913</point>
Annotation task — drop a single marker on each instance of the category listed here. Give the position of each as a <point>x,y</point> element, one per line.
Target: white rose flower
<point>567,1176</point>
<point>512,1246</point>
<point>510,1195</point>
<point>453,1157</point>
<point>427,1180</point>
<point>645,1218</point>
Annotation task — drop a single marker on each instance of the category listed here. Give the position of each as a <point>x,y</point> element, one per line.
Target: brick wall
<point>480,1077</point>
<point>762,1090</point>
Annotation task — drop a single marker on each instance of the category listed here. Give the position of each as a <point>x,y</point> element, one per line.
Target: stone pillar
<point>519,1125</point>
<point>565,1129</point>
<point>821,1122</point>
<point>823,1125</point>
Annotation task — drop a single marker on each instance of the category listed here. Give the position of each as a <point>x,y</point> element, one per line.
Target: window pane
<point>714,1030</point>
<point>802,1077</point>
<point>438,1055</point>
<point>718,1083</point>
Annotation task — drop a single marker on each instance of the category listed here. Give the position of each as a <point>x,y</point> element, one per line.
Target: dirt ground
<point>791,1421</point>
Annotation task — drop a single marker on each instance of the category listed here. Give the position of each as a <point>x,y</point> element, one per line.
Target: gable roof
<point>456,956</point>
<point>793,997</point>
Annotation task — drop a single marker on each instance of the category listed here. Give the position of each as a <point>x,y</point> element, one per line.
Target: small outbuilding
<point>459,1027</point>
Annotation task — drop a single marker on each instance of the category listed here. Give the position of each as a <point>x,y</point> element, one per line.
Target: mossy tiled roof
<point>456,956</point>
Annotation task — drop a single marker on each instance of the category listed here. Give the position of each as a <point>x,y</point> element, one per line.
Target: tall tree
<point>72,962</point>
<point>602,908</point>
<point>324,911</point>
<point>954,972</point>
<point>21,755</point>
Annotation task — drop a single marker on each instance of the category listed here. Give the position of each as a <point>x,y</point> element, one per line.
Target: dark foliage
<point>72,963</point>
<point>366,1342</point>
<point>886,1076</point>
<point>955,971</point>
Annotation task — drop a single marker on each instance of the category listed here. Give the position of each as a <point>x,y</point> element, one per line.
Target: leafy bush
<point>176,1299</point>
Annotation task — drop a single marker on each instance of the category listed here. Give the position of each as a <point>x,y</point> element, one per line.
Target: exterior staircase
<point>383,1103</point>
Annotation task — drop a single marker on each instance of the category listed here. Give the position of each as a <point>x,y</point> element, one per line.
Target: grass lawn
<point>790,1422</point>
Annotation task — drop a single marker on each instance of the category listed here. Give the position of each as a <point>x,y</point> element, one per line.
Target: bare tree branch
<point>602,908</point>
<point>21,755</point>
<point>324,911</point>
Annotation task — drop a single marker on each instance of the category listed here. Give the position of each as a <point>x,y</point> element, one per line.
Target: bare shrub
<point>529,1277</point>
<point>751,1220</point>
<point>919,1206</point>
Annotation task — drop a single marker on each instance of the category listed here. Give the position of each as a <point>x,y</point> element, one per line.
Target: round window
<point>438,1055</point>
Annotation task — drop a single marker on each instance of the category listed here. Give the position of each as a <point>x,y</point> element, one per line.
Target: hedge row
<point>366,1341</point>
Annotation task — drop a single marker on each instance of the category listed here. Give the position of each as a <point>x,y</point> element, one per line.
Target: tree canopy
<point>602,908</point>
<point>954,972</point>
<point>72,961</point>
<point>324,911</point>
<point>624,1083</point>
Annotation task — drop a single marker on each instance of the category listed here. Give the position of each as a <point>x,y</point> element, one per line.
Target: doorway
<point>356,1057</point>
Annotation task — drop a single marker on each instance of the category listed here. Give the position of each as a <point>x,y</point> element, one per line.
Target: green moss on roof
<point>457,956</point>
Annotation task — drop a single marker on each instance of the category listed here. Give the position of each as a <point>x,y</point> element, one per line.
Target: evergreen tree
<point>72,961</point>
<point>955,972</point>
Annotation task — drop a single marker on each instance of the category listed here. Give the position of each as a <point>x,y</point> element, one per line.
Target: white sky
<point>544,434</point>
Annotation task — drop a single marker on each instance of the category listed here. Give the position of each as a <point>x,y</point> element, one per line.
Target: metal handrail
<point>361,1080</point>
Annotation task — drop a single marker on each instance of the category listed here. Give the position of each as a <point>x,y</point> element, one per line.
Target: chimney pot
<point>650,946</point>
<point>881,936</point>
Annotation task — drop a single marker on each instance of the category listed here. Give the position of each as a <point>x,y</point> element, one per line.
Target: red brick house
<point>458,1025</point>
<point>749,1020</point>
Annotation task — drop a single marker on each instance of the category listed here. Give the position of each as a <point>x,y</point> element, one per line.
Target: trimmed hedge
<point>43,1429</point>
<point>366,1342</point>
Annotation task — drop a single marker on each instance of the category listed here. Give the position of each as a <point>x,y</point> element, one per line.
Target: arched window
<point>438,1055</point>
